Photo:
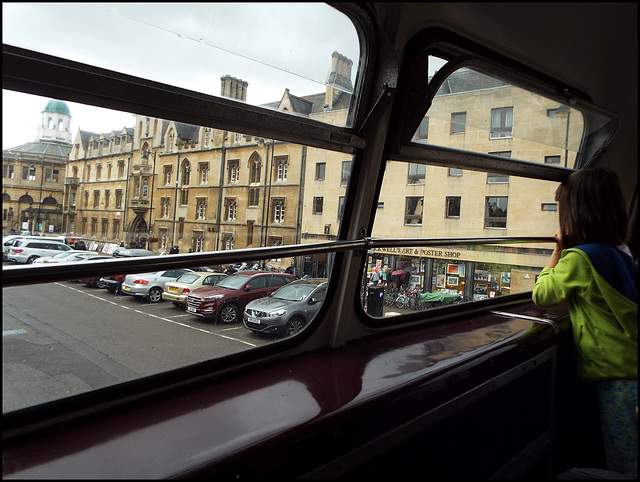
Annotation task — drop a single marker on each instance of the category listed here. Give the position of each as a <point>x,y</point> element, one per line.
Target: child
<point>593,271</point>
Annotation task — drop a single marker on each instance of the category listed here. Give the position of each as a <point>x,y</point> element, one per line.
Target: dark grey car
<point>288,310</point>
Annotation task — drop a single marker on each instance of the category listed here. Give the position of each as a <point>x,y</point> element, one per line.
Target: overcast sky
<point>190,45</point>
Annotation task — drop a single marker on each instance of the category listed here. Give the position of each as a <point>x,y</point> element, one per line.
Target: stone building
<point>33,176</point>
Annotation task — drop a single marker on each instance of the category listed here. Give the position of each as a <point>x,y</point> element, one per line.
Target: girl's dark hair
<point>592,208</point>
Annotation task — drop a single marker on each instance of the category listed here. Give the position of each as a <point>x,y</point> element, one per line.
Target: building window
<point>201,208</point>
<point>104,228</point>
<point>120,169</point>
<point>118,198</point>
<point>94,227</point>
<point>167,175</point>
<point>493,177</point>
<point>552,159</point>
<point>228,242</point>
<point>98,172</point>
<point>107,195</point>
<point>417,174</point>
<point>423,129</point>
<point>145,188</point>
<point>184,197</point>
<point>346,173</point>
<point>278,210</point>
<point>453,206</point>
<point>231,208</point>
<point>198,241</point>
<point>495,215</point>
<point>282,165</point>
<point>454,172</point>
<point>116,228</point>
<point>318,205</point>
<point>164,237</point>
<point>165,207</point>
<point>255,172</point>
<point>549,207</point>
<point>458,122</point>
<point>86,199</point>
<point>32,173</point>
<point>234,171</point>
<point>250,233</point>
<point>7,171</point>
<point>186,172</point>
<point>413,210</point>
<point>501,122</point>
<point>254,197</point>
<point>96,199</point>
<point>204,172</point>
<point>320,170</point>
<point>341,200</point>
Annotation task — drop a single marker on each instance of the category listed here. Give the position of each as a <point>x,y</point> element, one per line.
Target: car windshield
<point>294,292</point>
<point>233,282</point>
<point>188,278</point>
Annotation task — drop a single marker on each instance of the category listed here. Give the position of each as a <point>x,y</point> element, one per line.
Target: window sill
<point>243,422</point>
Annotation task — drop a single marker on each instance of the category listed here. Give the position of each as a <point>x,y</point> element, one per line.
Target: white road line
<point>161,318</point>
<point>19,331</point>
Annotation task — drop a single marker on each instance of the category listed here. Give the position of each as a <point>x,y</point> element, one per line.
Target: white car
<point>28,250</point>
<point>150,285</point>
<point>69,256</point>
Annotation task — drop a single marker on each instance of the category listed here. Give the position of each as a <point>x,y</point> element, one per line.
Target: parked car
<point>114,283</point>
<point>71,256</point>
<point>28,250</point>
<point>177,291</point>
<point>131,252</point>
<point>288,310</point>
<point>225,302</point>
<point>150,285</point>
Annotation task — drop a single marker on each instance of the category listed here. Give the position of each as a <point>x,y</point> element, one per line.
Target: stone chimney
<point>339,78</point>
<point>233,88</point>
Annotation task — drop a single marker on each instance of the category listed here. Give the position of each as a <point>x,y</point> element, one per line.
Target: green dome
<point>57,106</point>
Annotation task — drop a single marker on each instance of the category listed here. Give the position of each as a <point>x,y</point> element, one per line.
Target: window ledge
<point>260,411</point>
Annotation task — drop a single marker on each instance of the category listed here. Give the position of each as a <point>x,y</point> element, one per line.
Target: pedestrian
<point>592,270</point>
<point>375,276</point>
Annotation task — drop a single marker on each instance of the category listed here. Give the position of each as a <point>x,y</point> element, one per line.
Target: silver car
<point>150,285</point>
<point>288,310</point>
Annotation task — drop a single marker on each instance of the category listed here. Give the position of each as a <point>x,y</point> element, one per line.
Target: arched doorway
<point>138,228</point>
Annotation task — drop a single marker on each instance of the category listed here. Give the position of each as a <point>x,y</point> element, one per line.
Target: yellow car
<point>178,290</point>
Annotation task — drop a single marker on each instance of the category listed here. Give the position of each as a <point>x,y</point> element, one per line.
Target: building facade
<point>162,183</point>
<point>33,176</point>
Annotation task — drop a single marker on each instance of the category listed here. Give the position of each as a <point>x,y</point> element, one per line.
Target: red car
<point>225,301</point>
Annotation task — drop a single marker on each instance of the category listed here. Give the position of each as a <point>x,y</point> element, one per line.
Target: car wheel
<point>293,327</point>
<point>229,313</point>
<point>100,284</point>
<point>155,295</point>
<point>177,305</point>
<point>31,259</point>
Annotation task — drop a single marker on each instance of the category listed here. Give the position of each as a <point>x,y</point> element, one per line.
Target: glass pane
<point>251,52</point>
<point>478,112</point>
<point>416,279</point>
<point>198,198</point>
<point>460,204</point>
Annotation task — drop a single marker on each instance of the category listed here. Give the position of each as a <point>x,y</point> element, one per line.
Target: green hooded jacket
<point>599,282</point>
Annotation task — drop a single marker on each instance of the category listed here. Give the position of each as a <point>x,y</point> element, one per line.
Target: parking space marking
<point>161,317</point>
<point>19,331</point>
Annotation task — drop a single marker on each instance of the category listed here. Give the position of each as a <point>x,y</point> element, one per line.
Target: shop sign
<point>424,252</point>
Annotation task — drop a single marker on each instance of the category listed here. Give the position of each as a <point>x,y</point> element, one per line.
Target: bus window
<point>193,46</point>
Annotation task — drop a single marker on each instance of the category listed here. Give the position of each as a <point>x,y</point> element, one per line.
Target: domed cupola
<point>56,120</point>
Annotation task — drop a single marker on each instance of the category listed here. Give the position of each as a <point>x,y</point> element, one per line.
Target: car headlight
<point>212,297</point>
<point>273,314</point>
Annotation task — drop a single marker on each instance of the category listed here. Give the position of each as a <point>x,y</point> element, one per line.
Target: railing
<point>30,274</point>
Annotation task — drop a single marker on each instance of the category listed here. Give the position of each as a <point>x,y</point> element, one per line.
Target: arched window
<point>145,189</point>
<point>5,197</point>
<point>25,199</point>
<point>50,200</point>
<point>186,171</point>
